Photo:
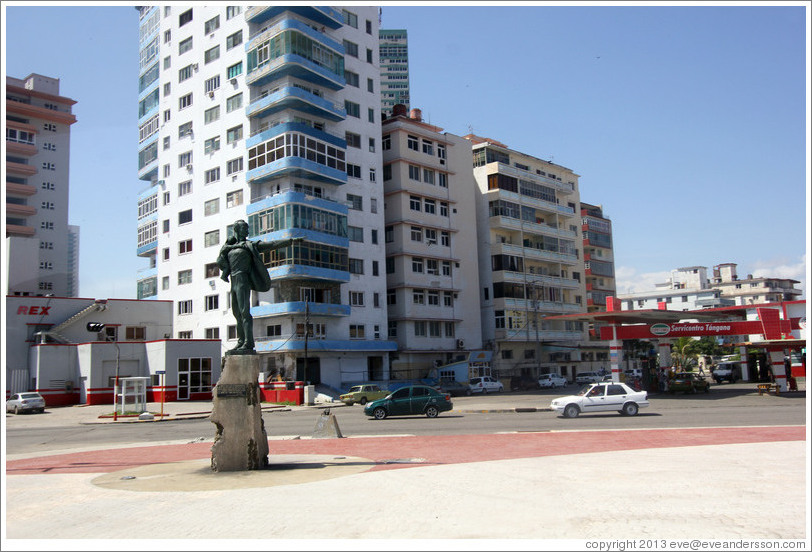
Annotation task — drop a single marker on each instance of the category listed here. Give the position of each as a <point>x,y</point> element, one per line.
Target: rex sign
<point>653,331</point>
<point>33,310</point>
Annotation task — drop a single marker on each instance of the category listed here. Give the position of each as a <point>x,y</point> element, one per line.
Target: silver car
<point>25,402</point>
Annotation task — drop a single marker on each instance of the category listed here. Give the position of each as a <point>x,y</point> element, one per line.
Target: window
<point>212,84</point>
<point>184,246</point>
<point>185,130</point>
<point>356,266</point>
<point>356,202</point>
<point>185,217</point>
<point>210,238</point>
<point>370,85</point>
<point>185,101</point>
<point>428,176</point>
<point>443,209</point>
<point>353,109</point>
<point>167,62</point>
<point>234,102</point>
<point>355,233</point>
<point>353,170</point>
<point>357,331</point>
<point>432,267</point>
<point>211,145</point>
<point>417,264</point>
<point>375,270</point>
<point>351,78</point>
<point>372,144</point>
<point>211,54</point>
<point>184,188</point>
<point>234,199</point>
<point>357,298</point>
<point>234,166</point>
<point>350,19</point>
<point>212,270</point>
<point>211,207</point>
<point>211,115</point>
<point>184,159</point>
<point>166,226</point>
<point>167,89</point>
<point>233,40</point>
<point>212,302</point>
<point>448,299</point>
<point>386,142</point>
<point>420,328</point>
<point>353,140</point>
<point>414,173</point>
<point>231,11</point>
<point>415,203</point>
<point>184,46</point>
<point>234,134</point>
<point>418,297</point>
<point>369,55</point>
<point>212,175</point>
<point>351,48</point>
<point>184,277</point>
<point>430,206</point>
<point>166,147</point>
<point>428,147</point>
<point>234,70</point>
<point>434,328</point>
<point>370,115</point>
<point>211,25</point>
<point>167,37</point>
<point>369,26</point>
<point>417,234</point>
<point>442,180</point>
<point>184,307</point>
<point>184,18</point>
<point>445,238</point>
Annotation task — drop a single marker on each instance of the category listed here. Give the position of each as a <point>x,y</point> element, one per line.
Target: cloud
<point>782,267</point>
<point>627,280</point>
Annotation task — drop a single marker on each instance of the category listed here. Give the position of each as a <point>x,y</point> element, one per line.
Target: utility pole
<point>307,331</point>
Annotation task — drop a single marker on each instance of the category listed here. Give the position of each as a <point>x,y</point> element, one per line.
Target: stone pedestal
<point>241,442</point>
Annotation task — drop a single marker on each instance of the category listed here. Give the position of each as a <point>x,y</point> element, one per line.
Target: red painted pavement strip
<point>431,449</point>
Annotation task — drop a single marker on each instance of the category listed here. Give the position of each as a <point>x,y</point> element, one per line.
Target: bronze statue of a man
<point>240,259</point>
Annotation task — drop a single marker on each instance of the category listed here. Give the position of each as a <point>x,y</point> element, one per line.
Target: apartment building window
<point>185,101</point>
<point>445,238</point>
<point>353,109</point>
<point>184,307</point>
<point>184,159</point>
<point>184,18</point>
<point>211,115</point>
<point>357,331</point>
<point>184,247</point>
<point>234,102</point>
<point>428,147</point>
<point>386,142</point>
<point>350,48</point>
<point>184,277</point>
<point>212,302</point>
<point>431,236</point>
<point>373,205</point>
<point>350,18</point>
<point>412,142</point>
<point>165,285</point>
<point>211,54</point>
<point>369,55</point>
<point>430,206</point>
<point>442,180</point>
<point>389,234</point>
<point>418,297</point>
<point>233,199</point>
<point>232,11</point>
<point>417,264</point>
<point>274,330</point>
<point>372,175</point>
<point>234,134</point>
<point>234,166</point>
<point>233,40</point>
<point>211,207</point>
<point>212,270</point>
<point>356,266</point>
<point>353,140</point>
<point>441,153</point>
<point>357,298</point>
<point>420,328</point>
<point>446,268</point>
<point>184,46</point>
<point>370,86</point>
<point>393,329</point>
<point>375,269</point>
<point>448,299</point>
<point>50,127</point>
<point>212,84</point>
<point>428,176</point>
<point>416,234</point>
<point>355,234</point>
<point>432,267</point>
<point>167,142</point>
<point>212,175</point>
<point>355,202</point>
<point>415,203</point>
<point>211,25</point>
<point>185,217</point>
<point>184,188</point>
<point>414,173</point>
<point>370,115</point>
<point>211,238</point>
<point>351,78</point>
<point>167,62</point>
<point>167,115</point>
<point>353,171</point>
<point>211,145</point>
<point>234,70</point>
<point>165,225</point>
<point>369,27</point>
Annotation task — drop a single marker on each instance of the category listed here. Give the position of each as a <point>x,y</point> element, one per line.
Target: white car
<point>551,381</point>
<point>588,377</point>
<point>484,385</point>
<point>22,402</point>
<point>602,397</point>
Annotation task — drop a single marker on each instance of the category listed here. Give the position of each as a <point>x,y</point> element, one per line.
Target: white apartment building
<point>530,260</point>
<point>44,248</point>
<point>689,288</point>
<point>269,114</point>
<point>394,69</point>
<point>431,245</point>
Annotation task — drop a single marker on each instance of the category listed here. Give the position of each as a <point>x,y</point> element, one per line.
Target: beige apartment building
<point>531,261</point>
<point>431,245</point>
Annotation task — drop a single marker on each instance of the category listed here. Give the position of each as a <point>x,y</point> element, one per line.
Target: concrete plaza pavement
<point>531,488</point>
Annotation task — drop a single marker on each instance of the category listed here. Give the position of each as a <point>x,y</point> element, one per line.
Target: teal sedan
<point>412,400</point>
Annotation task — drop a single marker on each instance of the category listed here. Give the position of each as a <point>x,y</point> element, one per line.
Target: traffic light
<point>94,326</point>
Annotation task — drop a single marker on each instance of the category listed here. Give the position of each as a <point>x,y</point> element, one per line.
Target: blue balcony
<point>276,130</point>
<point>147,249</point>
<point>296,197</point>
<point>326,345</point>
<point>300,271</point>
<point>299,307</point>
<point>323,15</point>
<point>296,167</point>
<point>292,97</point>
<point>294,65</point>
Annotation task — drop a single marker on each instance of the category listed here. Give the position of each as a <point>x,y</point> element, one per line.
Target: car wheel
<point>379,413</point>
<point>363,401</point>
<point>431,411</point>
<point>629,409</point>
<point>571,411</point>
<point>16,410</point>
<point>468,392</point>
<point>484,390</point>
<point>707,389</point>
<point>501,388</point>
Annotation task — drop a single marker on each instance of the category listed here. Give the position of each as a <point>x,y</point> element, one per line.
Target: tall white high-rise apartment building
<point>39,240</point>
<point>269,114</point>
<point>394,69</point>
<point>431,248</point>
<point>530,260</point>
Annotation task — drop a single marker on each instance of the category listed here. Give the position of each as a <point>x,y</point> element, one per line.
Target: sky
<point>688,124</point>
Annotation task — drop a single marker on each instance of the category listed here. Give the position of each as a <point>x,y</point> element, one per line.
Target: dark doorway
<point>313,374</point>
<point>375,368</point>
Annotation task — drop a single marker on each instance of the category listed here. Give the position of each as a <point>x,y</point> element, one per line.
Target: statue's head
<point>241,229</point>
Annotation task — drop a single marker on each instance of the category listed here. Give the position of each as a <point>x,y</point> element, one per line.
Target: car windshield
<point>355,389</point>
<point>584,390</point>
<point>29,395</point>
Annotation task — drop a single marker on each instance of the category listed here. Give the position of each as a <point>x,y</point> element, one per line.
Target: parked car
<point>727,371</point>
<point>588,377</point>
<point>453,388</point>
<point>485,384</point>
<point>25,402</point>
<point>410,400</point>
<point>523,383</point>
<point>602,397</point>
<point>551,381</point>
<point>362,394</point>
<point>688,382</point>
